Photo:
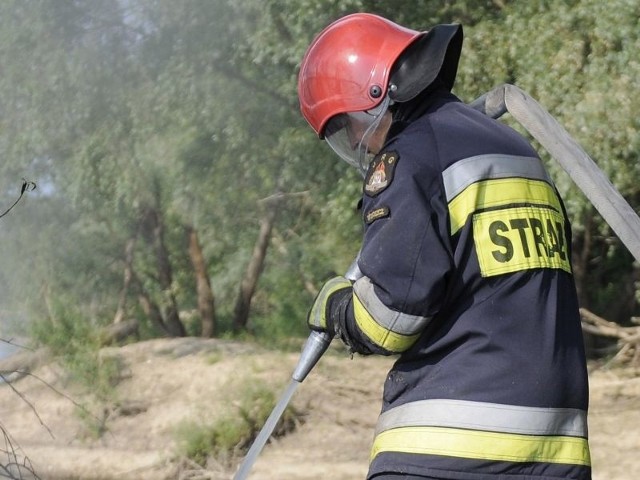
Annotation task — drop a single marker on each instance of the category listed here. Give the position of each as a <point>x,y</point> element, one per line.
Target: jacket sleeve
<point>405,258</point>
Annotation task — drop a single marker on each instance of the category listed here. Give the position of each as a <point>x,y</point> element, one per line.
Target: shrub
<point>232,434</point>
<point>76,345</point>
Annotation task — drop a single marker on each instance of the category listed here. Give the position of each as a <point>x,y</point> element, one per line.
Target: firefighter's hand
<point>319,317</point>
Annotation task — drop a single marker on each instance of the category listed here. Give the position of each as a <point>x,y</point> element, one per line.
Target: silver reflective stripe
<point>387,318</point>
<point>493,417</point>
<point>487,167</point>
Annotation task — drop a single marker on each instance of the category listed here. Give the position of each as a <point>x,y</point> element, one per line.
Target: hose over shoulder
<point>585,173</point>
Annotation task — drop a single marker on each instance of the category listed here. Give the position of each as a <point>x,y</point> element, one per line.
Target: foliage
<point>232,434</point>
<point>76,344</point>
<point>186,113</point>
<point>575,58</point>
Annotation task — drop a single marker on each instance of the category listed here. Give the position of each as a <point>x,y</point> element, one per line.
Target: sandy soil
<point>168,382</point>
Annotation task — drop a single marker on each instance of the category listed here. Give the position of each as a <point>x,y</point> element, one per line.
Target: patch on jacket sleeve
<point>380,173</point>
<point>375,214</point>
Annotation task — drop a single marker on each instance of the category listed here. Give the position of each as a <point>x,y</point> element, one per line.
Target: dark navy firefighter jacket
<point>467,276</point>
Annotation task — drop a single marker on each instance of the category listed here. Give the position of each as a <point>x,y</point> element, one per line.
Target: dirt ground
<point>168,382</point>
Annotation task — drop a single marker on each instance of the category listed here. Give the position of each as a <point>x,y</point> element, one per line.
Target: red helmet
<point>346,68</point>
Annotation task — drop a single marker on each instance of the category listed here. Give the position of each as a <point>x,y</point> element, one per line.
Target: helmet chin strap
<point>362,150</point>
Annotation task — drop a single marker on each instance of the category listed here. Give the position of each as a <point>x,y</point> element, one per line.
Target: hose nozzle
<point>313,349</point>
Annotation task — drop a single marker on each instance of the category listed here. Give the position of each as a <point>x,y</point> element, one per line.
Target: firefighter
<point>465,264</point>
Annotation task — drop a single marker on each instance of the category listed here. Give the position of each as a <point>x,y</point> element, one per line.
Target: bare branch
<point>628,337</point>
<point>25,400</point>
<point>13,468</point>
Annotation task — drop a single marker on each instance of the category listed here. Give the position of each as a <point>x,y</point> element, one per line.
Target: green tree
<point>576,58</point>
<point>180,186</point>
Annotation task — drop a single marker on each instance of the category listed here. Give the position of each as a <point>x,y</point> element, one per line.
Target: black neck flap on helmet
<point>434,55</point>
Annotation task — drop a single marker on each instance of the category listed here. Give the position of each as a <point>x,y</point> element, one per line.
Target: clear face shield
<point>350,134</point>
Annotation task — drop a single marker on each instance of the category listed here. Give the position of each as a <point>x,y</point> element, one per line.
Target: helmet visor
<point>349,135</point>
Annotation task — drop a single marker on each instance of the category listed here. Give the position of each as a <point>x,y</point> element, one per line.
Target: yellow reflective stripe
<point>514,239</point>
<point>499,192</point>
<point>399,322</point>
<point>383,337</point>
<point>483,445</point>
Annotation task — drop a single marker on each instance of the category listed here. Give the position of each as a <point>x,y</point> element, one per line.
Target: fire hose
<point>584,172</point>
<point>564,149</point>
<point>315,346</point>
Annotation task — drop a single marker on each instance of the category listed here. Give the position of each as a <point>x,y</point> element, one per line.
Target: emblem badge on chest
<point>380,173</point>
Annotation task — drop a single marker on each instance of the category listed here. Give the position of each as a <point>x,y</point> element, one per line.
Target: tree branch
<point>628,337</point>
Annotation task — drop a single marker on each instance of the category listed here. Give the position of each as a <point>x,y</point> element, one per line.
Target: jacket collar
<point>428,101</point>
